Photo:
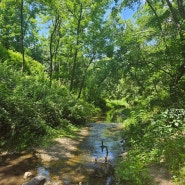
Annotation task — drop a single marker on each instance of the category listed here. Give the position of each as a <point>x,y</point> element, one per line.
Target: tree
<point>18,26</point>
<point>78,46</point>
<point>154,47</point>
<point>54,43</point>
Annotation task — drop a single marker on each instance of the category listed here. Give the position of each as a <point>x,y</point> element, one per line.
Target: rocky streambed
<point>88,158</point>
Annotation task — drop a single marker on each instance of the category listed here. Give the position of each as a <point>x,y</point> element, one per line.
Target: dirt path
<point>160,175</point>
<point>13,166</point>
<point>63,148</point>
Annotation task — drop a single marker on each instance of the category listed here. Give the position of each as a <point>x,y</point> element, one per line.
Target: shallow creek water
<point>88,159</point>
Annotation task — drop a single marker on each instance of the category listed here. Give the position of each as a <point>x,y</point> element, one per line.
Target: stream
<point>87,159</point>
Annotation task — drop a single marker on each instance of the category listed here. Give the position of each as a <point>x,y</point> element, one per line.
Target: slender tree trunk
<point>22,34</point>
<point>51,58</point>
<point>76,50</point>
<point>176,19</point>
<point>181,8</point>
<point>83,78</point>
<point>167,51</point>
<point>180,71</point>
<point>155,13</point>
<point>52,49</point>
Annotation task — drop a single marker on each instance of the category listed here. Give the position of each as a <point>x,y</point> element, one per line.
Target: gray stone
<point>38,180</point>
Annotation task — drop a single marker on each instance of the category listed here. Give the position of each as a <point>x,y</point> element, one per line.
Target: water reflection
<point>93,163</point>
<point>43,172</point>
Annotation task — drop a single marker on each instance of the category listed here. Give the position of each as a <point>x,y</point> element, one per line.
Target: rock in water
<point>38,180</point>
<point>27,175</point>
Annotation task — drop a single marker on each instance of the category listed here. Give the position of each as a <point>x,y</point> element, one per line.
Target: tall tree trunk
<point>76,49</point>
<point>22,34</point>
<point>167,51</point>
<point>84,76</point>
<point>181,8</point>
<point>180,71</point>
<point>53,49</point>
<point>155,13</point>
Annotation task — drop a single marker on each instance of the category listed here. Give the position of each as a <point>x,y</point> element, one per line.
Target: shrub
<point>31,109</point>
<point>132,170</point>
<point>14,60</point>
<point>174,153</point>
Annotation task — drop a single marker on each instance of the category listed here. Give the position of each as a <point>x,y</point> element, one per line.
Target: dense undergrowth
<point>153,137</point>
<point>32,112</point>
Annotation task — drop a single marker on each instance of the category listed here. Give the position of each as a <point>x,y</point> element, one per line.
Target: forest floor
<point>13,166</point>
<point>160,175</point>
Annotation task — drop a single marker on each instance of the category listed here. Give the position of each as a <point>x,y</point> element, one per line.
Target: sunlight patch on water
<point>91,159</point>
<point>43,172</point>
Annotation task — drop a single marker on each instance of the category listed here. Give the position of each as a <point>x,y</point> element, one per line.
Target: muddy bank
<point>13,166</point>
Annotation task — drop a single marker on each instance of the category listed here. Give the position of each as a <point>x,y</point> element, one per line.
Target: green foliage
<point>78,111</point>
<point>14,60</point>
<point>175,117</point>
<point>31,110</point>
<point>3,53</point>
<point>174,157</point>
<point>132,170</point>
<point>174,154</point>
<point>153,138</point>
<point>117,110</point>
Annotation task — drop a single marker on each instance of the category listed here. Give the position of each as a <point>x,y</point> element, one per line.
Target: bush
<point>153,138</point>
<point>3,53</point>
<point>20,121</point>
<point>77,111</point>
<point>30,108</point>
<point>174,153</point>
<point>132,170</point>
<point>14,61</point>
